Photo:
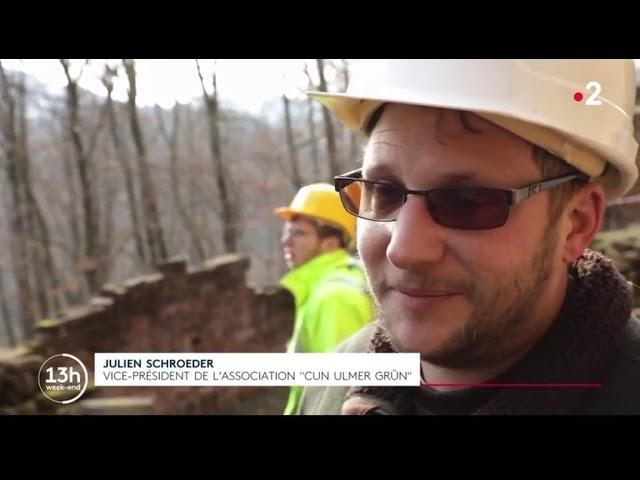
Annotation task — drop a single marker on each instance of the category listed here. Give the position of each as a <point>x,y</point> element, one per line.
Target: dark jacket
<point>593,340</point>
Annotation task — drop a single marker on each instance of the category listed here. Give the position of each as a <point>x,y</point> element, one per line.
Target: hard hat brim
<point>284,212</point>
<point>354,111</point>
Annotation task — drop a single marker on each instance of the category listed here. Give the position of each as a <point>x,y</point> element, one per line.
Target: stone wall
<point>209,309</point>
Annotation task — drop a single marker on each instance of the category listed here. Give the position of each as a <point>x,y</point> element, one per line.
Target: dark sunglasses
<point>461,207</point>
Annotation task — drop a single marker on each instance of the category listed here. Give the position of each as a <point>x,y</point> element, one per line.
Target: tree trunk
<point>71,187</point>
<point>153,227</point>
<point>194,193</point>
<point>353,136</point>
<point>123,160</point>
<point>313,139</point>
<point>229,211</point>
<point>172,142</point>
<point>106,227</point>
<point>6,314</point>
<point>89,214</point>
<point>58,295</point>
<point>293,155</point>
<point>18,246</point>
<point>35,246</point>
<point>334,168</point>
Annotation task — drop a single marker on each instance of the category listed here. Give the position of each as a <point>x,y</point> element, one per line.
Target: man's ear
<point>328,244</point>
<point>585,213</point>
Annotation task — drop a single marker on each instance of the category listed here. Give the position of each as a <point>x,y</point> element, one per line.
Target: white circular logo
<point>63,378</point>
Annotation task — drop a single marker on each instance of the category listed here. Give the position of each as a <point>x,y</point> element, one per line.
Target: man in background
<point>327,284</point>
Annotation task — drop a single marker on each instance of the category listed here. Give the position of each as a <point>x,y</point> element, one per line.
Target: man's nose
<point>285,239</point>
<point>416,237</point>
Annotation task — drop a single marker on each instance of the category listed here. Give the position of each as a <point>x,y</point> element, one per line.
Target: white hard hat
<point>579,110</point>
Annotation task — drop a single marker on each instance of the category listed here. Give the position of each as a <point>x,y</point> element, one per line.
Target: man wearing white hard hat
<point>482,185</point>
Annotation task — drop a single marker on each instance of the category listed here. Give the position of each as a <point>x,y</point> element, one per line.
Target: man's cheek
<point>373,237</point>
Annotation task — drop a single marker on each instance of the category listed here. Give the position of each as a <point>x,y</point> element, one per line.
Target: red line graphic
<point>515,385</point>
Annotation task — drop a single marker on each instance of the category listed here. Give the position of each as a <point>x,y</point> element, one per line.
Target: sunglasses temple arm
<point>348,177</point>
<point>527,191</point>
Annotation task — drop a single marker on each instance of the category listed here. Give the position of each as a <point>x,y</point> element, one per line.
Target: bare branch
<point>204,90</point>
<point>93,136</point>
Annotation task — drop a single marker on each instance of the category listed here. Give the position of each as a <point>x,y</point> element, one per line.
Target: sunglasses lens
<point>468,208</point>
<point>464,208</point>
<point>380,201</point>
<point>350,197</point>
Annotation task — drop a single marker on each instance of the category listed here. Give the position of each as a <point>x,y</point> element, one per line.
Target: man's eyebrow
<point>385,142</point>
<point>387,171</point>
<point>378,169</point>
<point>387,130</point>
<point>460,177</point>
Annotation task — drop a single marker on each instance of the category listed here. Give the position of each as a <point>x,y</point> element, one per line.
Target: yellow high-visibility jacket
<point>332,303</point>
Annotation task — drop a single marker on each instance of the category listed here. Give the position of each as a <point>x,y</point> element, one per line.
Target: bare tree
<point>334,168</point>
<point>6,315</point>
<point>71,187</point>
<point>230,215</point>
<point>86,175</point>
<point>18,247</point>
<point>109,186</point>
<point>153,227</point>
<point>353,136</point>
<point>195,195</point>
<point>45,276</point>
<point>291,147</point>
<point>123,159</point>
<point>315,157</point>
<point>313,140</point>
<point>172,142</point>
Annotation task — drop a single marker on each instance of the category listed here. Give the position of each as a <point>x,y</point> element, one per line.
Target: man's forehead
<point>397,119</point>
<point>300,221</point>
<point>457,176</point>
<point>446,146</point>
